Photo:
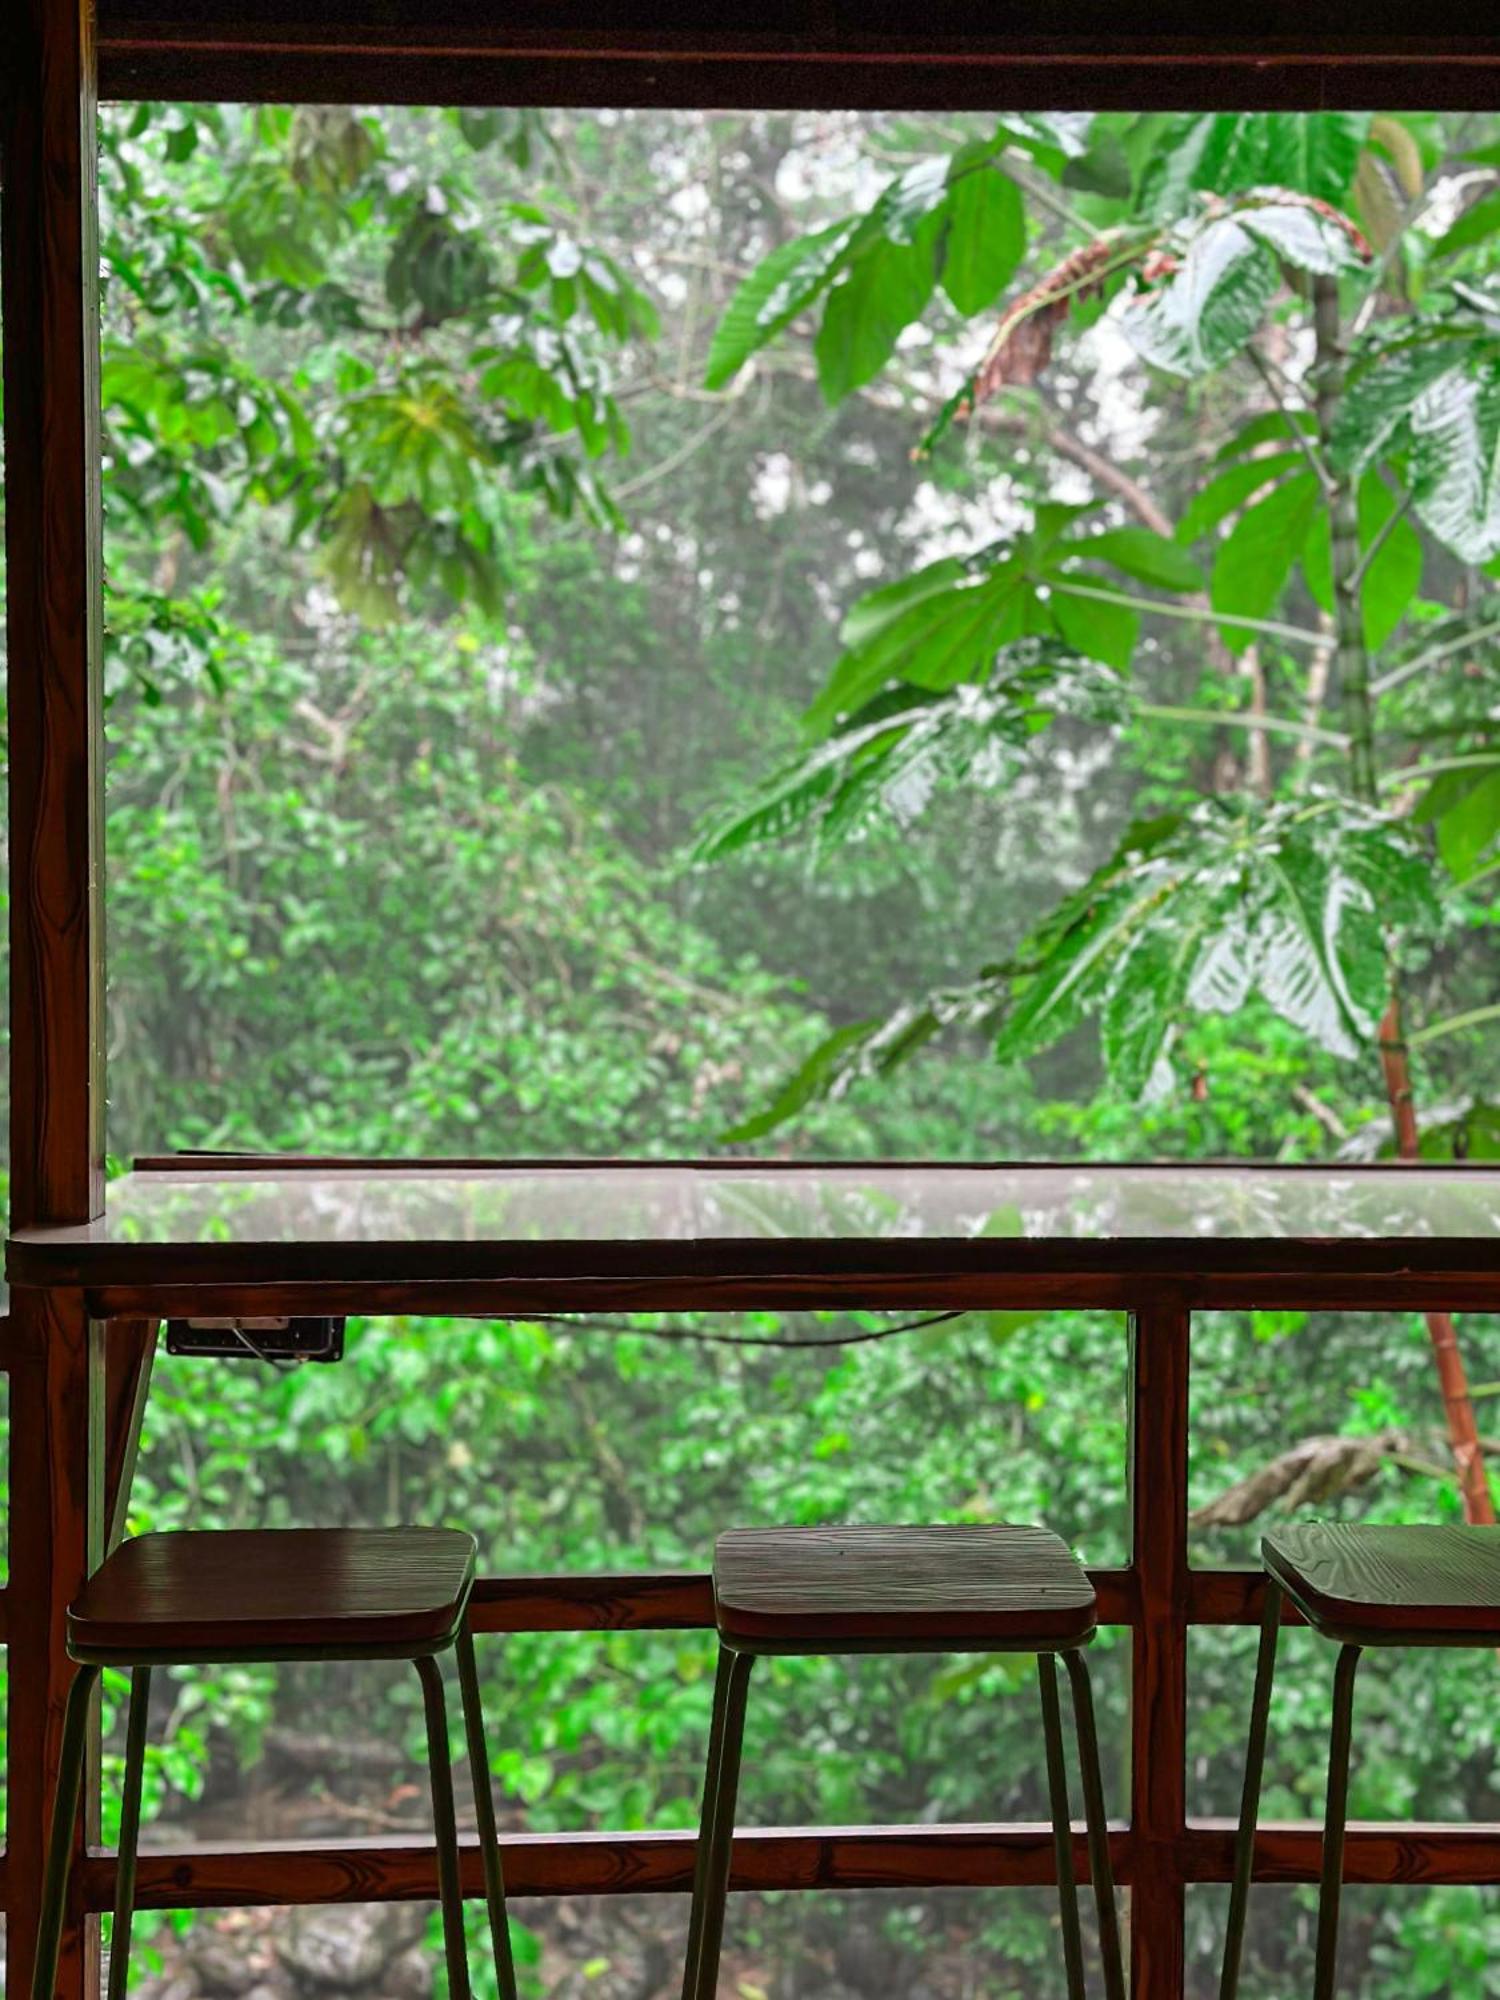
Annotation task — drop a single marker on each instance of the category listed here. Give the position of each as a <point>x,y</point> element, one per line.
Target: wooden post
<point>56,1512</point>
<point>48,224</point>
<point>1158,1698</point>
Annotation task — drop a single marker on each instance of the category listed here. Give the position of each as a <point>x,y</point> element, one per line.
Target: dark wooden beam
<point>897,55</point>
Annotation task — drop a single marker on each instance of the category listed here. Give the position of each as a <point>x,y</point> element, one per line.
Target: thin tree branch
<point>1476,1017</point>
<point>1271,725</point>
<point>1305,445</point>
<point>1377,543</point>
<point>1271,628</point>
<point>1431,657</point>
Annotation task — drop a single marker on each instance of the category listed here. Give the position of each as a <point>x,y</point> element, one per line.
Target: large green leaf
<point>1198,911</point>
<point>1464,806</point>
<point>782,285</point>
<point>893,758</point>
<point>1101,631</point>
<point>1477,223</point>
<point>1228,491</point>
<point>885,289</point>
<point>1392,576</point>
<point>1148,557</point>
<point>1433,396</point>
<point>934,640</point>
<point>986,236</point>
<point>1206,311</point>
<point>1455,458</point>
<point>1255,559</point>
<point>1226,152</point>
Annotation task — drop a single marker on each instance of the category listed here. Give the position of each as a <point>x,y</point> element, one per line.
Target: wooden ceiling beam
<point>896,56</point>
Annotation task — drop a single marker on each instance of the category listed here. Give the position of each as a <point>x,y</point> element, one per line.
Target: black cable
<point>674,1333</point>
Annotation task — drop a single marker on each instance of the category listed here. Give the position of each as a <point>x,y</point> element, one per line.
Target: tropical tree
<point>1349,261</point>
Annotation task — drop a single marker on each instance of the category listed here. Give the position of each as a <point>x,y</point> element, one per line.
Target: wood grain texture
<point>1158,1471</point>
<point>895,56</point>
<point>56,1381</point>
<point>53,523</point>
<point>1401,1585</point>
<point>602,1864</point>
<point>768,1858</point>
<point>197,1590</point>
<point>948,1587</point>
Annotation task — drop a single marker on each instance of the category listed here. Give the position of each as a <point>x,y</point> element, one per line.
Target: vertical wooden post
<point>56,1385</point>
<point>54,565</point>
<point>1158,1702</point>
<point>49,290</point>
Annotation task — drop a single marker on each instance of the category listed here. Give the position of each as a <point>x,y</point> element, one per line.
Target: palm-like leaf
<point>899,751</point>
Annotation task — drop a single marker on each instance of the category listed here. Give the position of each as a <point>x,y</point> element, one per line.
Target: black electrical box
<point>280,1341</point>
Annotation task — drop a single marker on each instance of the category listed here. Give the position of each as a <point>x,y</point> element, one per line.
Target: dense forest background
<point>485,521</point>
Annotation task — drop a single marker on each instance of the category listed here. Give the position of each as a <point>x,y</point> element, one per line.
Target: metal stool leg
<point>706,1819</point>
<point>716,1834</point>
<point>130,1833</point>
<point>484,1808</point>
<point>1062,1824</point>
<point>64,1819</point>
<point>1098,1826</point>
<point>1326,1966</point>
<point>450,1888</point>
<point>1255,1759</point>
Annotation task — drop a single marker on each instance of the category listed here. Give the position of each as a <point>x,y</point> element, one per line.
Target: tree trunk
<point>1352,661</point>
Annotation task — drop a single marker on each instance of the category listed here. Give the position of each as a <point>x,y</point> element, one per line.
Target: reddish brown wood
<point>954,1588</point>
<point>600,1864</point>
<point>128,1355</point>
<point>766,1858</point>
<point>675,1601</point>
<point>53,569</point>
<point>1158,1687</point>
<point>280,1588</point>
<point>1414,1852</point>
<point>56,1517</point>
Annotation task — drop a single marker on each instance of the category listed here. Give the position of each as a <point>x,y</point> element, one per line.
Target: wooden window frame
<point>75,1398</point>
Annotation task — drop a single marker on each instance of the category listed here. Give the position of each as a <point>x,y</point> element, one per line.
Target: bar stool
<point>1359,1587</point>
<point>292,1594</point>
<point>962,1589</point>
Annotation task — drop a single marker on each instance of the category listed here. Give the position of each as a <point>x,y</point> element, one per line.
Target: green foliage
<point>898,750</point>
<point>1204,910</point>
<point>1224,270</point>
<point>1426,394</point>
<point>946,624</point>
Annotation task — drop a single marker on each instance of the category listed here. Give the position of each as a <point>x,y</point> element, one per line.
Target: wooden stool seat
<point>1436,1585</point>
<point>1391,1586</point>
<point>295,1595</point>
<point>397,1591</point>
<point>984,1587</point>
